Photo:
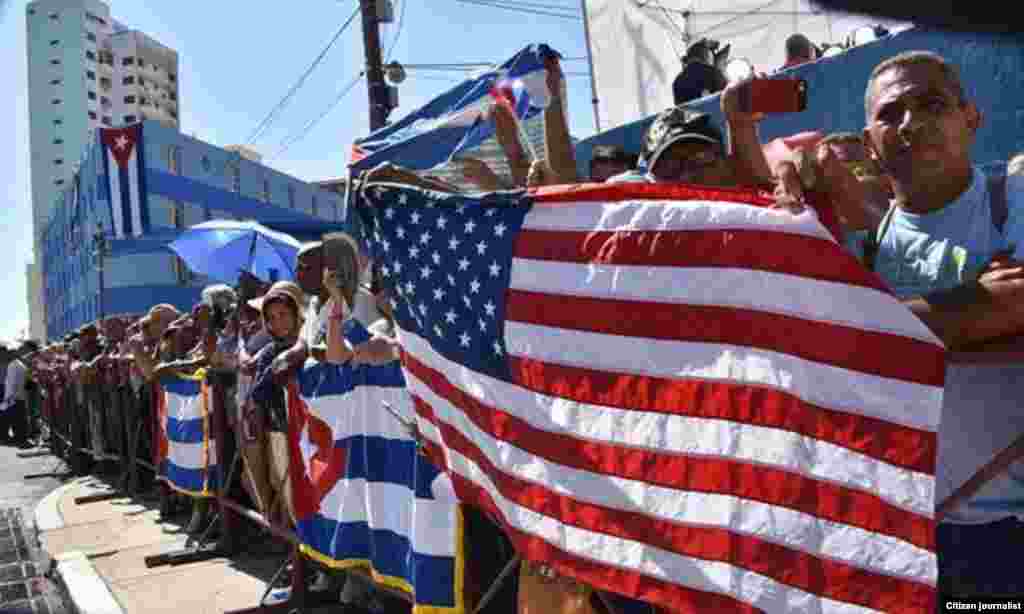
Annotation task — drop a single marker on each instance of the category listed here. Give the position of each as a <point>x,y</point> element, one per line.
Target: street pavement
<point>24,586</point>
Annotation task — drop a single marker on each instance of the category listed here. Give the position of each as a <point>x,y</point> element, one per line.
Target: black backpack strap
<point>997,200</point>
<point>874,239</point>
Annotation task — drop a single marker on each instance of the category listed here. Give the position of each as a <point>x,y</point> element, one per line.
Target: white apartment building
<point>85,70</point>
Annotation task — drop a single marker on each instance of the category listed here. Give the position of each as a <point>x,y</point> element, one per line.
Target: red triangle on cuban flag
<point>121,142</point>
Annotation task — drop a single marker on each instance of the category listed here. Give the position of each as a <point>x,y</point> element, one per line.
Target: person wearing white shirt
<point>14,416</point>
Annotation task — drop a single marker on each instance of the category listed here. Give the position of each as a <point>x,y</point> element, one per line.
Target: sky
<point>238,59</point>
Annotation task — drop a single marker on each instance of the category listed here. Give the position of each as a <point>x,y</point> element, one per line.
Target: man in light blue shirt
<point>952,248</point>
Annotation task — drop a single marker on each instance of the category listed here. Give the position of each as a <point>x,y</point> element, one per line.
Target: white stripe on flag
<point>705,437</point>
<point>114,177</point>
<point>181,407</point>
<point>819,384</point>
<point>374,423</point>
<point>348,501</point>
<point>671,215</point>
<point>618,553</point>
<point>189,455</point>
<point>135,191</point>
<point>795,529</point>
<point>777,293</point>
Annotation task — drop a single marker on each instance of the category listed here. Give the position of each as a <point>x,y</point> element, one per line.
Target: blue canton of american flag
<point>447,259</point>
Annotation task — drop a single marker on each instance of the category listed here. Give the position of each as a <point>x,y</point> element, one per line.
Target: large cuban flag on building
<point>364,496</point>
<point>125,172</point>
<point>188,455</point>
<point>455,121</point>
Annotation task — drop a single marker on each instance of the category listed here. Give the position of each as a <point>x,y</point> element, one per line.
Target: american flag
<point>672,393</point>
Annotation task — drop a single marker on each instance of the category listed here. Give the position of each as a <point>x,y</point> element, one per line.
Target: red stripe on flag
<point>597,575</point>
<point>756,250</point>
<point>902,446</point>
<point>820,576</point>
<point>870,352</point>
<point>689,473</point>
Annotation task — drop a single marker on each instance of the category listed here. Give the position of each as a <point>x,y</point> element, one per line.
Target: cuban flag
<point>124,168</point>
<point>364,496</point>
<point>456,120</point>
<point>188,455</point>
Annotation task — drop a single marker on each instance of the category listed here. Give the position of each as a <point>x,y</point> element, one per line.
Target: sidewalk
<point>100,549</point>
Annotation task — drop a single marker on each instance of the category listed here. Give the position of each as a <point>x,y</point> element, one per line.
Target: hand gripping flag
<point>672,393</point>
<point>125,169</point>
<point>188,455</point>
<point>364,497</point>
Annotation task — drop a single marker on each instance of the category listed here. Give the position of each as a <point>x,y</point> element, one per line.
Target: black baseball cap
<point>676,125</point>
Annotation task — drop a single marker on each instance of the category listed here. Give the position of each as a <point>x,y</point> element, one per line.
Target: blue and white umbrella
<point>220,249</point>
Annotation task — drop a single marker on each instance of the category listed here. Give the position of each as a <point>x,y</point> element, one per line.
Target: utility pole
<point>375,85</point>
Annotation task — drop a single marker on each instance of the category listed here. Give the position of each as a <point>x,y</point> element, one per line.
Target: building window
<point>106,120</point>
<point>55,16</point>
<point>205,163</point>
<point>142,81</point>
<point>91,95</point>
<point>129,119</point>
<point>58,141</point>
<point>128,61</point>
<point>58,161</point>
<point>173,114</point>
<point>31,11</point>
<point>235,176</point>
<point>58,182</point>
<point>90,56</point>
<point>55,101</point>
<point>90,36</point>
<point>142,63</point>
<point>266,190</point>
<point>105,101</point>
<point>172,96</point>
<point>143,100</point>
<point>291,196</point>
<point>54,43</point>
<point>92,115</point>
<point>55,82</point>
<point>105,83</point>
<point>171,77</point>
<point>55,62</point>
<point>316,208</point>
<point>90,75</point>
<point>174,159</point>
<point>129,99</point>
<point>58,121</point>
<point>128,80</point>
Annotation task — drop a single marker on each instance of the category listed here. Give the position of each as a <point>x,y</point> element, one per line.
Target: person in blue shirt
<point>951,247</point>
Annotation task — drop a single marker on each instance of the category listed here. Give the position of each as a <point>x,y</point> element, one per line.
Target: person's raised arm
<point>744,141</point>
<point>506,129</point>
<point>561,157</point>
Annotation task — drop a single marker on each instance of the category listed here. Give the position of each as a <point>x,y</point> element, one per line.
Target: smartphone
<point>774,96</point>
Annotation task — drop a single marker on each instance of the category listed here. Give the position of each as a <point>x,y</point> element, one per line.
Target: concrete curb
<point>47,514</point>
<point>85,588</point>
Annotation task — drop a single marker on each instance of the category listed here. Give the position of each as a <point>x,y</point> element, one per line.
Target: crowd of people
<point>904,196</point>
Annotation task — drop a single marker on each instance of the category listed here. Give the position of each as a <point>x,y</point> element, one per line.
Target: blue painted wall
<point>140,271</point>
<point>992,70</point>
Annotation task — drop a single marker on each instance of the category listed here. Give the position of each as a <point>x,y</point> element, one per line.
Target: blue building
<point>172,182</point>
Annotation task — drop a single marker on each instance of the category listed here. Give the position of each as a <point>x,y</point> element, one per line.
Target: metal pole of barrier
<point>219,401</point>
<point>511,566</point>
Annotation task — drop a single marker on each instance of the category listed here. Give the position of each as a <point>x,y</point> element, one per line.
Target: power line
<point>739,16</point>
<point>494,4</point>
<point>262,127</point>
<point>288,142</point>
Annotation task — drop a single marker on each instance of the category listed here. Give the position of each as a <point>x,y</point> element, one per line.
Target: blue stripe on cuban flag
<point>390,509</point>
<point>454,121</point>
<point>125,171</point>
<point>191,464</point>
